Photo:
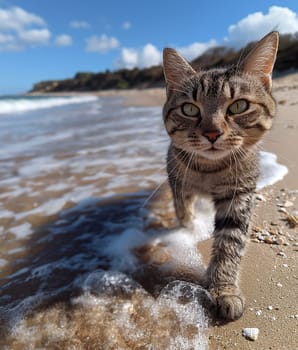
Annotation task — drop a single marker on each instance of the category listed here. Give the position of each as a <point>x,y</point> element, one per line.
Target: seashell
<point>250,333</point>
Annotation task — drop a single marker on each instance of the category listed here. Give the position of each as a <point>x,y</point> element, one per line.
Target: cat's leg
<point>231,226</point>
<point>184,204</point>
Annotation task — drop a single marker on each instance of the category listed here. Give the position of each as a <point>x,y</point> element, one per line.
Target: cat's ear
<point>261,59</point>
<point>176,69</point>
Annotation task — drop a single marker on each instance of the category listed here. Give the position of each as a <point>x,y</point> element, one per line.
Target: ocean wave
<point>10,105</point>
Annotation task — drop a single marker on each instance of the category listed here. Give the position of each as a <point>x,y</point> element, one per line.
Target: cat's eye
<point>238,107</point>
<point>190,110</point>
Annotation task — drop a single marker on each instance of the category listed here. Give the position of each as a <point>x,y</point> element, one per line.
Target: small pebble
<point>281,241</point>
<point>250,333</point>
<point>288,204</point>
<point>270,307</point>
<point>259,313</point>
<point>269,240</point>
<point>278,285</point>
<point>294,316</point>
<point>260,197</point>
<point>281,254</point>
<point>266,233</point>
<point>273,231</point>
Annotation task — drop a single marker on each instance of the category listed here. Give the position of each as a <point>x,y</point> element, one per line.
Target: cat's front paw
<point>229,305</point>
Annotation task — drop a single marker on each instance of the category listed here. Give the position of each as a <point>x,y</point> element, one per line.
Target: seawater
<point>75,262</point>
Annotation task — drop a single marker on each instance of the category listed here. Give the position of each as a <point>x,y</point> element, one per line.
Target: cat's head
<point>219,112</point>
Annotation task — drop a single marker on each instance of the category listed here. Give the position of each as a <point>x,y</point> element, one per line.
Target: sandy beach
<point>269,272</point>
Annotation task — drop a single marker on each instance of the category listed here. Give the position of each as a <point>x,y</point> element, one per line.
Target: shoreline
<point>151,97</point>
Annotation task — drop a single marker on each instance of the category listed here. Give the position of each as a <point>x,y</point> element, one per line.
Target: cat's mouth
<point>215,153</point>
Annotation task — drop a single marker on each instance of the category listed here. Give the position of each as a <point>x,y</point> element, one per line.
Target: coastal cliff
<point>287,59</point>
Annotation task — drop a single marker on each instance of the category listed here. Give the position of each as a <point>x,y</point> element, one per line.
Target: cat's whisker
<point>160,184</point>
<point>163,167</point>
<point>153,193</point>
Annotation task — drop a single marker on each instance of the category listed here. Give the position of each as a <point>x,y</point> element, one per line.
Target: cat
<point>215,119</point>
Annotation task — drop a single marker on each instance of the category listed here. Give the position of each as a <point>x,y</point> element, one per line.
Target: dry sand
<point>269,271</point>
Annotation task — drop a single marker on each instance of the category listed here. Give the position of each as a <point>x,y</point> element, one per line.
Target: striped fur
<point>215,119</point>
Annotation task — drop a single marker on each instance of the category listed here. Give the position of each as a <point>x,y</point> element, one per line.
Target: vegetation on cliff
<point>153,77</point>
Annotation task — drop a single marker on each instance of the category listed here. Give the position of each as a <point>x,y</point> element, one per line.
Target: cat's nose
<point>212,135</point>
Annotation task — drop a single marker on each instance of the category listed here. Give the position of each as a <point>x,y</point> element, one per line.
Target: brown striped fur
<point>215,119</point>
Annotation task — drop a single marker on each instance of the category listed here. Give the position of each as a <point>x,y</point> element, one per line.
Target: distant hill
<point>287,59</point>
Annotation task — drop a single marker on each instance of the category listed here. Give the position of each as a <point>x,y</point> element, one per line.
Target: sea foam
<point>271,171</point>
<point>22,104</point>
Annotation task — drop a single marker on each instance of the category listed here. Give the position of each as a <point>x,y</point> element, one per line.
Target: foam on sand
<point>114,312</point>
<point>271,171</point>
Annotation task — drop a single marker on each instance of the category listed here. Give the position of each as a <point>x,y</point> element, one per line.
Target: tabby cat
<point>215,119</point>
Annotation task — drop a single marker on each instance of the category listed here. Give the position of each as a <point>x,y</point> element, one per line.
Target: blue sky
<point>44,40</point>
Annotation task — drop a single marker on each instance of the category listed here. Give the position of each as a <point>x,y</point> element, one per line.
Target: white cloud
<point>35,36</point>
<point>63,40</point>
<point>196,49</point>
<point>128,58</point>
<point>15,18</point>
<point>257,24</point>
<point>147,56</point>
<point>101,44</point>
<point>126,25</point>
<point>79,24</point>
<point>19,29</point>
<point>6,38</point>
<point>8,43</point>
